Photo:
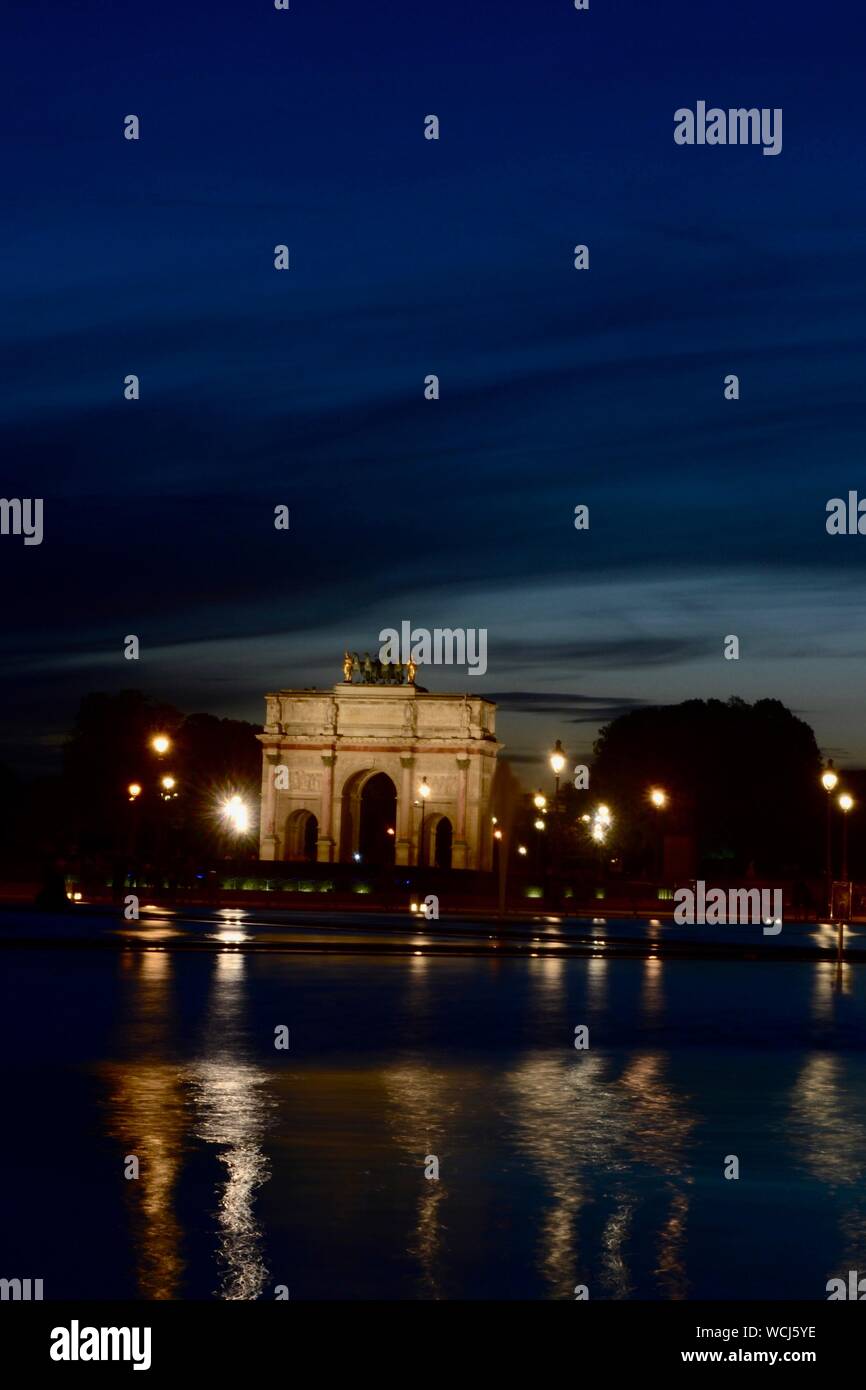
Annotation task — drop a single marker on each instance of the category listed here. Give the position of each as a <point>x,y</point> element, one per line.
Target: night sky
<point>411,257</point>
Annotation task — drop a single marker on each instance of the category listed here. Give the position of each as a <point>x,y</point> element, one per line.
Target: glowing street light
<point>557,763</point>
<point>539,801</point>
<point>134,790</point>
<point>237,814</point>
<point>658,797</point>
<point>601,823</point>
<point>829,777</point>
<point>160,743</point>
<point>846,801</point>
<point>521,849</point>
<point>168,783</point>
<point>539,824</point>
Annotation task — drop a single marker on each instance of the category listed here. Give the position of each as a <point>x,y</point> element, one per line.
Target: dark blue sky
<point>409,257</point>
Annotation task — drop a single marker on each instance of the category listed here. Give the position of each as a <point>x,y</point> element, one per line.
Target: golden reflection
<point>156,931</point>
<point>147,1116</point>
<point>830,979</point>
<point>548,996</point>
<point>596,980</point>
<point>652,997</point>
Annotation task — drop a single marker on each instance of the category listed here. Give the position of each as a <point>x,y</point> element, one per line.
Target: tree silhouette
<point>742,778</point>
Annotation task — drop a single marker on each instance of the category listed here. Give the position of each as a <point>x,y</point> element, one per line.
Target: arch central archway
<point>378,820</point>
<point>302,828</point>
<point>369,819</point>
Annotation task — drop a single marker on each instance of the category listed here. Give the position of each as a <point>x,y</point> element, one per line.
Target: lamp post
<point>133,792</point>
<point>168,792</point>
<point>501,863</point>
<point>160,743</point>
<point>845,804</point>
<point>557,763</point>
<point>829,778</point>
<point>659,799</point>
<point>423,792</point>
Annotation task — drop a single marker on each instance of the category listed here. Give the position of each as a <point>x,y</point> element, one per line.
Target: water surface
<point>305,1167</point>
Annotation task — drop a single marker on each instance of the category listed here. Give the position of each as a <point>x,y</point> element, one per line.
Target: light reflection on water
<point>232,1113</point>
<point>558,1166</point>
<point>830,1142</point>
<point>159,1109</point>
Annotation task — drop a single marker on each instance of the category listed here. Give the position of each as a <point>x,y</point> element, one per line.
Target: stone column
<point>268,838</point>
<point>458,844</point>
<point>325,842</point>
<point>403,847</point>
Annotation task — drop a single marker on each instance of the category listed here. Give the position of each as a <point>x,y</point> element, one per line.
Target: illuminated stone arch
<point>322,748</point>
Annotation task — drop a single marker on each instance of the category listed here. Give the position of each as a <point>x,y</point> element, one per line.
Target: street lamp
<point>845,804</point>
<point>423,792</point>
<point>600,823</point>
<point>168,784</point>
<point>237,814</point>
<point>659,799</point>
<point>160,743</point>
<point>134,790</point>
<point>539,801</point>
<point>557,763</point>
<point>829,778</point>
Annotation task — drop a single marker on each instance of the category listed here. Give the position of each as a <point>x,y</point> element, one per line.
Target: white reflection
<point>588,1132</point>
<point>233,1111</point>
<point>422,1105</point>
<point>830,1142</point>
